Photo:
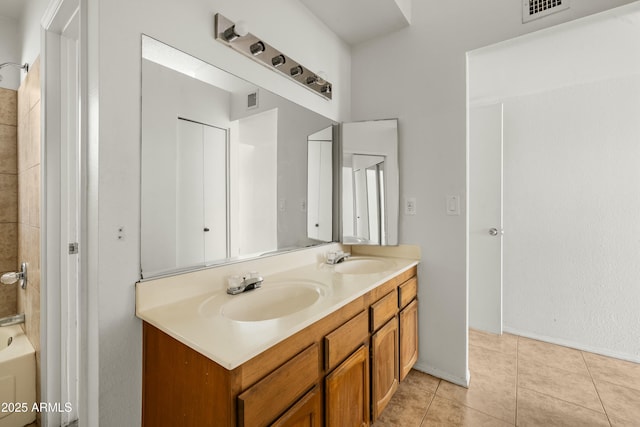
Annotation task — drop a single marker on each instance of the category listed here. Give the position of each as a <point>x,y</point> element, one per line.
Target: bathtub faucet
<point>12,320</point>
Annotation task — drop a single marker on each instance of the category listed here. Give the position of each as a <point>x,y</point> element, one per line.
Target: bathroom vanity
<point>336,360</point>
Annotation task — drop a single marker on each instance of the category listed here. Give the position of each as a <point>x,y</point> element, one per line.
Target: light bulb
<point>241,28</point>
<point>257,48</point>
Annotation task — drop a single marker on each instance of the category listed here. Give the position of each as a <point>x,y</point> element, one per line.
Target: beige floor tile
<point>558,383</point>
<point>505,343</point>
<point>612,370</point>
<point>621,403</point>
<point>553,355</point>
<point>489,362</point>
<point>447,413</point>
<point>409,405</point>
<point>536,409</point>
<point>487,394</point>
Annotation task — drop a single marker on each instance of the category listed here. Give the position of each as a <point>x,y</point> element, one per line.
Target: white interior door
<point>215,194</point>
<point>485,218</point>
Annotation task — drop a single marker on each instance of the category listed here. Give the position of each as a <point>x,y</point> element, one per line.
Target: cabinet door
<point>305,413</point>
<point>347,391</point>
<point>408,338</point>
<point>384,366</point>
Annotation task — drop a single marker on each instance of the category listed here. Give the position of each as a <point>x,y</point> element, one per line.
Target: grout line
<point>595,387</point>
<point>565,401</point>
<point>424,416</point>
<point>458,403</point>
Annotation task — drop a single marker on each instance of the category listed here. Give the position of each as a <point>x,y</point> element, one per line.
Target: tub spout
<point>12,320</point>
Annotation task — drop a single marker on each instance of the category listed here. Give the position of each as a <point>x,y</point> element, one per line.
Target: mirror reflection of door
<point>201,207</point>
<point>370,183</point>
<point>368,197</point>
<point>320,185</point>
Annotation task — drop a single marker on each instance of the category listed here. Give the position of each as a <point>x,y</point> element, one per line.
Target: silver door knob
<point>493,231</point>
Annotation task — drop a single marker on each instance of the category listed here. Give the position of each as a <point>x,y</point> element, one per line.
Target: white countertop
<point>197,320</point>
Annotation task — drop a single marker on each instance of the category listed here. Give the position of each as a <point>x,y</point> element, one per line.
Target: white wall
<point>571,203</point>
<point>569,134</point>
<point>9,52</point>
<point>168,95</point>
<point>418,74</point>
<point>257,214</point>
<point>30,29</point>
<point>114,112</point>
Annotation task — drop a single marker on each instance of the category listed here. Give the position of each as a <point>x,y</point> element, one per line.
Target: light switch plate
<point>453,205</point>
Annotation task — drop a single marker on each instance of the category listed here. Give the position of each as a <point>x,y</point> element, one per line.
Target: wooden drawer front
<point>407,291</point>
<point>307,412</point>
<point>340,343</point>
<point>384,309</point>
<point>260,404</point>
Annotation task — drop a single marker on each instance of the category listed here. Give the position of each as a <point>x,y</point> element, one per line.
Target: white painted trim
<point>431,370</point>
<point>55,378</point>
<point>574,345</point>
<point>50,232</point>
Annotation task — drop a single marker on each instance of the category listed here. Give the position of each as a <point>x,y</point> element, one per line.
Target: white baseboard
<point>427,369</point>
<point>573,344</point>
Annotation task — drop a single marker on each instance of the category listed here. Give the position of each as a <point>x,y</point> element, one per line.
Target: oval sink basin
<point>272,301</point>
<point>361,265</point>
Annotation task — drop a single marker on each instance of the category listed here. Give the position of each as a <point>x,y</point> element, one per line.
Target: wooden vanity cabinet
<point>340,371</point>
<point>408,325</point>
<point>347,391</point>
<point>306,413</point>
<point>384,366</point>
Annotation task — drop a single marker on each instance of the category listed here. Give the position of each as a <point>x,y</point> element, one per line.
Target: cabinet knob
<point>206,229</point>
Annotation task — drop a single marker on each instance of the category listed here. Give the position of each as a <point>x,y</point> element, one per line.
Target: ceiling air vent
<point>534,9</point>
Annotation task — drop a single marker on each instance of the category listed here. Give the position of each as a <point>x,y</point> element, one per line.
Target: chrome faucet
<point>337,257</point>
<point>249,282</point>
<point>12,320</point>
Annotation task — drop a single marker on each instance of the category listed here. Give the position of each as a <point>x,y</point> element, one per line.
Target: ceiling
<point>12,8</point>
<point>345,18</point>
<point>356,21</point>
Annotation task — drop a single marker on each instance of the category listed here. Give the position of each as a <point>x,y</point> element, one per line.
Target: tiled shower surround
<point>8,197</point>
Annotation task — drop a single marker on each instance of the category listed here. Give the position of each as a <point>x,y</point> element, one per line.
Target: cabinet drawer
<point>384,309</point>
<point>407,291</point>
<point>341,342</point>
<point>260,404</point>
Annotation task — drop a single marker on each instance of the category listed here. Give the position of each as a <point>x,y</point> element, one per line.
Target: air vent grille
<point>534,9</point>
<point>252,100</point>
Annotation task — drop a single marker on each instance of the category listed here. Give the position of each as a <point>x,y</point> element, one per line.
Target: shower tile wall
<point>8,197</point>
<point>29,205</point>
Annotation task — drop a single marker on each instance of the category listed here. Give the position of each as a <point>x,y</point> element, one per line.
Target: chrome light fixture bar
<point>239,39</point>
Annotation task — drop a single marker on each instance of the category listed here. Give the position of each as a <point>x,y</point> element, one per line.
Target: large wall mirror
<point>230,171</point>
<point>370,183</point>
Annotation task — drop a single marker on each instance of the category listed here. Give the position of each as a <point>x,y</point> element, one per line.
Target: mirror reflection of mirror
<point>224,177</point>
<point>370,183</point>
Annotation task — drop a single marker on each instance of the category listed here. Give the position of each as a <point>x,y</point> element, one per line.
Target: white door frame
<point>63,300</point>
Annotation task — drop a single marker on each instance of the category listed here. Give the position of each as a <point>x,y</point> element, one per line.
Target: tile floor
<point>523,382</point>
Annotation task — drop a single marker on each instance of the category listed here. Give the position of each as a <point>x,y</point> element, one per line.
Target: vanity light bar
<point>256,49</point>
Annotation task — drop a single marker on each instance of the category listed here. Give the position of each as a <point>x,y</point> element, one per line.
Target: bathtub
<point>17,377</point>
